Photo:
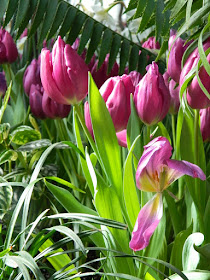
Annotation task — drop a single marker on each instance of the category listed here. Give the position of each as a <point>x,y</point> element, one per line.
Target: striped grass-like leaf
<point>6,194</point>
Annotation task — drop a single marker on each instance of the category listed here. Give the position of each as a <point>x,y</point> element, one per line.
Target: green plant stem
<point>148,134</point>
<point>196,127</point>
<point>173,130</point>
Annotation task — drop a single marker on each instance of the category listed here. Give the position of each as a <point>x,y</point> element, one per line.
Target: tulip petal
<point>147,221</point>
<point>179,168</point>
<point>48,82</point>
<point>122,138</point>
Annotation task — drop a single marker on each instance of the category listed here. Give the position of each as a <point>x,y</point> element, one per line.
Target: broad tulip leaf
<point>5,198</point>
<point>24,134</point>
<point>59,16</point>
<point>129,189</point>
<point>105,137</point>
<point>190,257</point>
<point>68,20</point>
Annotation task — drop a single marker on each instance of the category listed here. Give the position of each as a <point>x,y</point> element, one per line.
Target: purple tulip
<point>3,84</point>
<point>174,93</point>
<point>195,96</point>
<point>8,49</point>
<point>135,77</point>
<point>64,74</point>
<point>150,43</point>
<point>35,101</point>
<point>53,109</point>
<point>205,124</point>
<point>116,94</point>
<point>177,50</point>
<point>121,135</point>
<point>100,75</point>
<point>151,96</point>
<point>155,173</point>
<point>32,75</point>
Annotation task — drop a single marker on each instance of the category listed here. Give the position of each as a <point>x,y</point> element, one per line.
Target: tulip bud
<point>53,109</point>
<point>116,94</point>
<point>174,93</point>
<point>177,50</point>
<point>100,75</point>
<point>151,97</point>
<point>32,75</point>
<point>64,74</point>
<point>8,49</point>
<point>35,101</point>
<point>135,77</point>
<point>205,123</point>
<point>195,96</point>
<point>150,43</point>
<point>3,84</point>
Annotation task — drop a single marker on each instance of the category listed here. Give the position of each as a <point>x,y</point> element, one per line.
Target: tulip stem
<point>148,134</point>
<point>173,131</point>
<point>196,127</point>
<point>82,122</point>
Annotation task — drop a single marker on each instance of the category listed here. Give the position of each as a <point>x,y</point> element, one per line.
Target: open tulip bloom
<point>155,173</point>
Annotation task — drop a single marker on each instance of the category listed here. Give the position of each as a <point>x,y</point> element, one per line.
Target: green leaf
<point>140,8</point>
<point>190,257</point>
<point>59,17</point>
<point>41,7</point>
<point>176,253</point>
<point>129,188</point>
<point>204,250</point>
<point>105,137</point>
<point>4,131</point>
<point>133,58</point>
<point>95,40</point>
<point>201,50</point>
<point>76,27</point>
<point>116,43</point>
<point>86,34</point>
<point>6,194</point>
<point>124,55</point>
<point>132,5</point>
<point>148,12</point>
<point>3,7</point>
<point>14,261</point>
<point>6,99</point>
<point>48,20</point>
<point>11,9</point>
<point>106,43</point>
<point>23,7</point>
<point>8,155</point>
<point>68,20</point>
<point>159,18</point>
<point>179,4</point>
<point>193,275</point>
<point>142,63</point>
<point>4,252</point>
<point>35,145</point>
<point>64,182</point>
<point>24,134</point>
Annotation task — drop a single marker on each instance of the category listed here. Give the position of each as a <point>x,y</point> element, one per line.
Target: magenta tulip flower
<point>8,49</point>
<point>53,109</point>
<point>100,75</point>
<point>32,75</point>
<point>196,98</point>
<point>135,77</point>
<point>64,74</point>
<point>155,173</point>
<point>35,101</point>
<point>3,84</point>
<point>205,124</point>
<point>174,93</point>
<point>116,94</point>
<point>150,43</point>
<point>151,96</point>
